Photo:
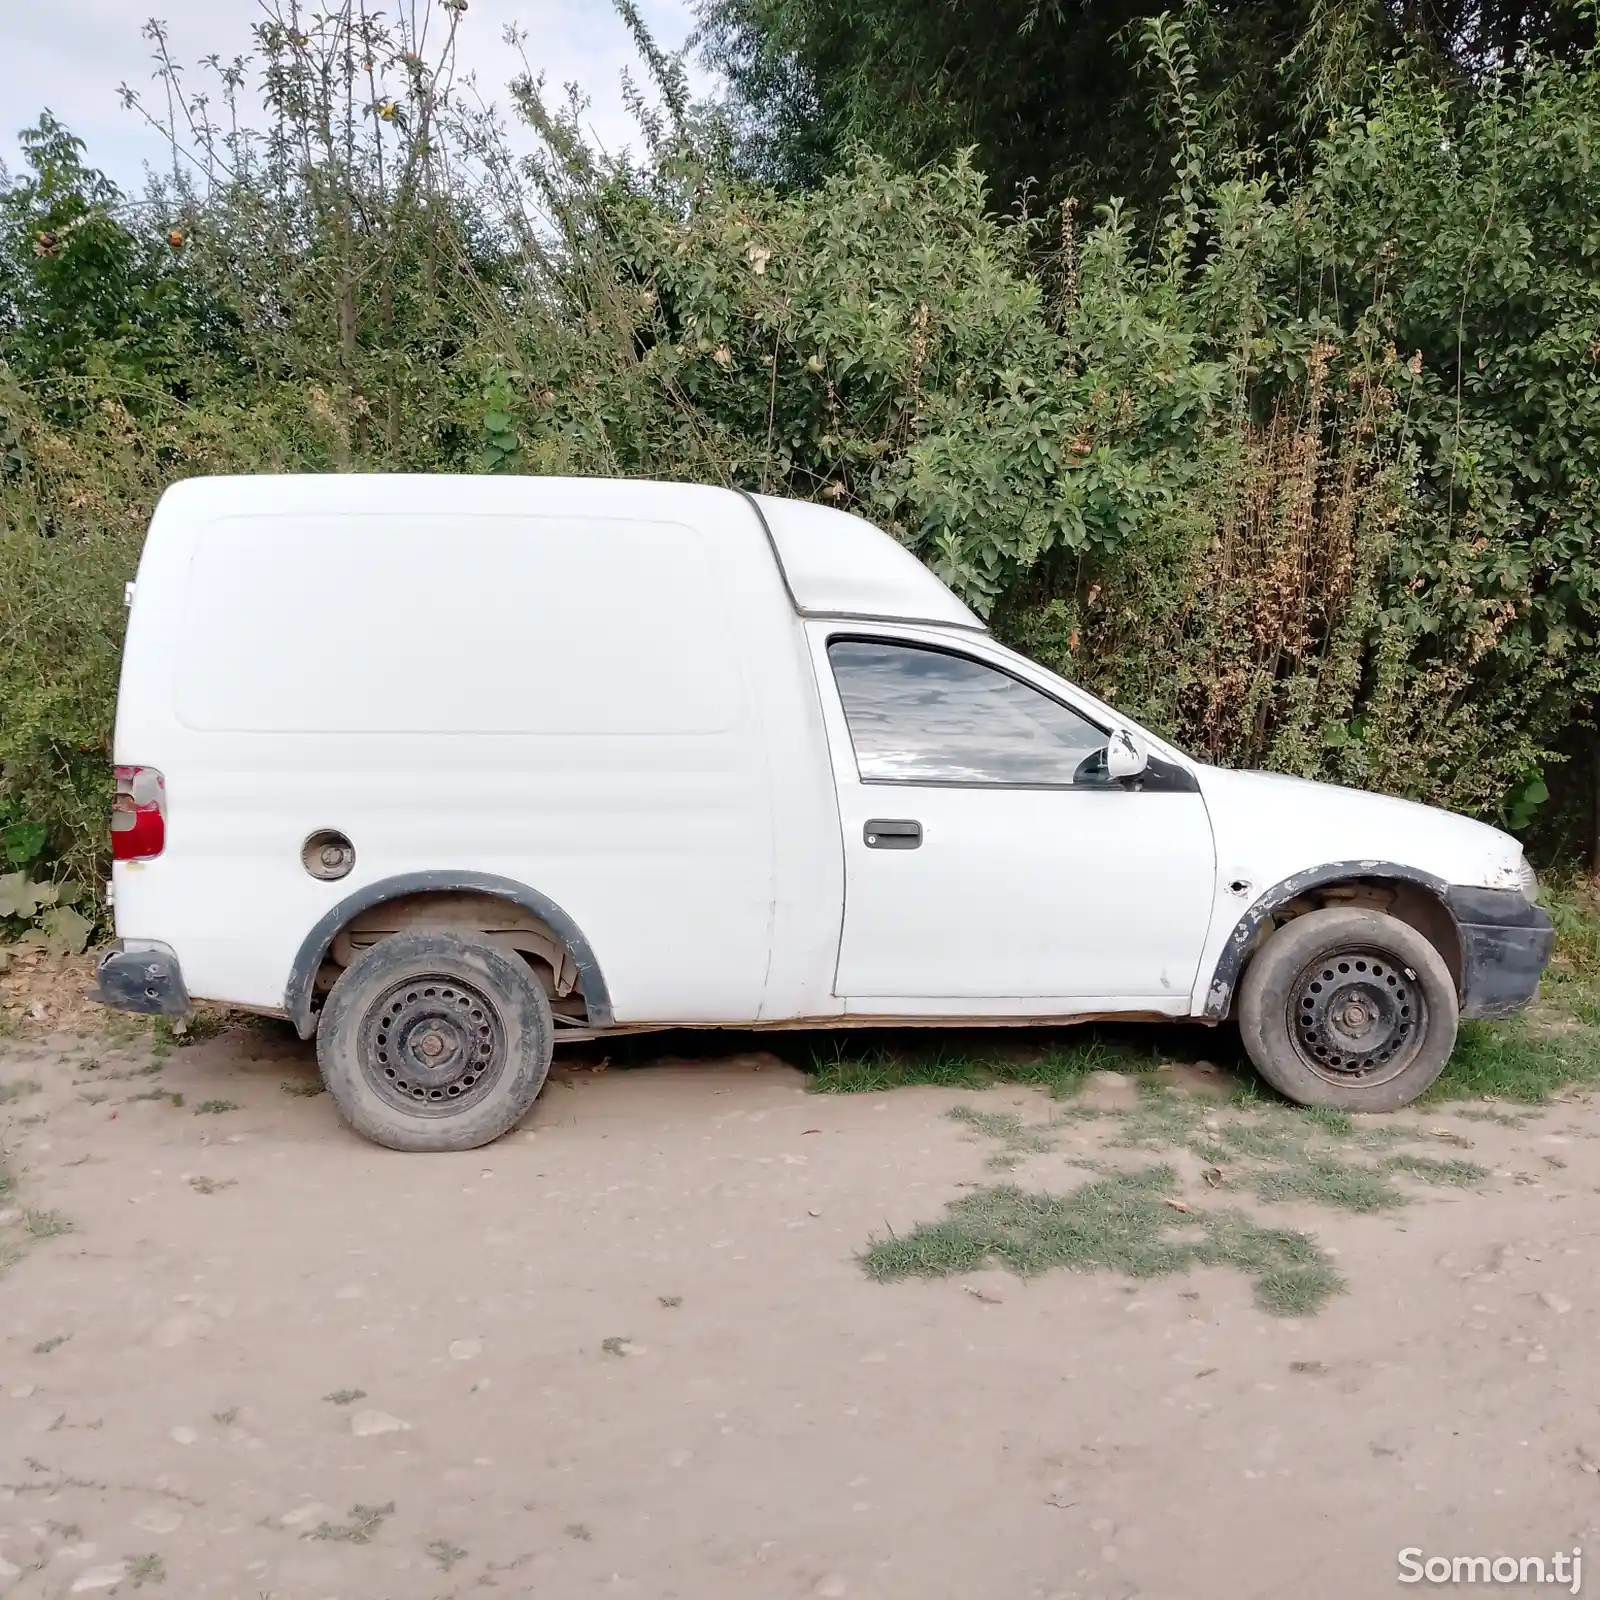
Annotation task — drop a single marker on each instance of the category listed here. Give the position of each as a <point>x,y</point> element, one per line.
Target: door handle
<point>890,833</point>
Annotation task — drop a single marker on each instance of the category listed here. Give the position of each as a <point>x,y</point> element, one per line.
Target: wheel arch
<point>1417,898</point>
<point>298,994</point>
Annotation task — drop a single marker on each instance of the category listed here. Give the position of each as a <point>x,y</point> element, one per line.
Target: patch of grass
<point>1517,1061</point>
<point>1118,1223</point>
<point>18,1089</point>
<point>345,1397</point>
<point>308,1089</point>
<point>1557,1044</point>
<point>1061,1070</point>
<point>205,1185</point>
<point>996,1124</point>
<point>146,1569</point>
<point>1251,1131</point>
<point>1268,1138</point>
<point>1327,1181</point>
<point>1574,908</point>
<point>39,1224</point>
<point>445,1553</point>
<point>215,1108</point>
<point>1017,1138</point>
<point>616,1345</point>
<point>55,1342</point>
<point>226,1419</point>
<point>202,1025</point>
<point>154,1094</point>
<point>1057,1067</point>
<point>364,1522</point>
<point>875,1070</point>
<point>669,1301</point>
<point>1456,1174</point>
<point>124,1027</point>
<point>1585,1005</point>
<point>1504,1119</point>
<point>1162,1120</point>
<point>1293,1276</point>
<point>1338,1123</point>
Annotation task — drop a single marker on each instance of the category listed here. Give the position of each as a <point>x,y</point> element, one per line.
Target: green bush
<point>1301,470</point>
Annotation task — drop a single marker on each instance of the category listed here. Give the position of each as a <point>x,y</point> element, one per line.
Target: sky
<point>71,55</point>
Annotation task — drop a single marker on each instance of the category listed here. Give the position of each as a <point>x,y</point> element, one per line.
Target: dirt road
<point>630,1351</point>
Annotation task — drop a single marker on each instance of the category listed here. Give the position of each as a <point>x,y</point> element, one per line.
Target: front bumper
<point>1505,943</point>
<point>147,980</point>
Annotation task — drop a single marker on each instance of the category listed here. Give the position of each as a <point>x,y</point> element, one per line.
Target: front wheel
<point>435,1041</point>
<point>1350,1009</point>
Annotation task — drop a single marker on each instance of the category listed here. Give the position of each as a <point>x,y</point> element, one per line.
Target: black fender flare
<point>1225,976</point>
<point>591,982</point>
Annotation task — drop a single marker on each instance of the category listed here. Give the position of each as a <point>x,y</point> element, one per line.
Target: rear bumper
<point>147,980</point>
<point>1505,943</point>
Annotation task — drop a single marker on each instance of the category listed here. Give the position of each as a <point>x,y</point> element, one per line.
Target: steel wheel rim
<point>433,1046</point>
<point>1357,1016</point>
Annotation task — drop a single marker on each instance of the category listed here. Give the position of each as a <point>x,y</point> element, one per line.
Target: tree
<point>81,291</point>
<point>1048,91</point>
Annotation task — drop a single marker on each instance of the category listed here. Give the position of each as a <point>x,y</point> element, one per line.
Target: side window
<point>927,716</point>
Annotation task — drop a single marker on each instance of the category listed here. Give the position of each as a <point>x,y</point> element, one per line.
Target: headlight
<point>1529,880</point>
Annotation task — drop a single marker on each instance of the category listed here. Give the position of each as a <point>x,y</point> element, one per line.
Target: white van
<point>447,770</point>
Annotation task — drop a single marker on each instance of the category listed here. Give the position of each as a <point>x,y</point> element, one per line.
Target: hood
<point>1269,826</point>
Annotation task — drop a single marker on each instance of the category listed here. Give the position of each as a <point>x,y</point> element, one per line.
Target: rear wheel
<point>1350,1009</point>
<point>435,1041</point>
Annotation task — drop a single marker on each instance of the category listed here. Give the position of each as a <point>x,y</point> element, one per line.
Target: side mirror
<point>1126,756</point>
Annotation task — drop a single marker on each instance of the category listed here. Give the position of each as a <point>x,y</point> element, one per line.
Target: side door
<point>990,865</point>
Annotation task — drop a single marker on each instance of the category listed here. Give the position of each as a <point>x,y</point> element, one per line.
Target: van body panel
<point>455,683</point>
<point>385,606</point>
<point>1273,829</point>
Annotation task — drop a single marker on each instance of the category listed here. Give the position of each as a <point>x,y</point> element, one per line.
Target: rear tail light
<point>139,814</point>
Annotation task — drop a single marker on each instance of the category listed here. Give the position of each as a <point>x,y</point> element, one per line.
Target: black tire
<point>1349,1009</point>
<point>435,1041</point>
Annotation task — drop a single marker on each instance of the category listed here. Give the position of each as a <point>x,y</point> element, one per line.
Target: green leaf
<point>21,898</point>
<point>66,930</point>
<point>24,842</point>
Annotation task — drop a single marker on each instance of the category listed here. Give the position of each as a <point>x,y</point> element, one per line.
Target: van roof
<point>833,564</point>
<point>837,565</point>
